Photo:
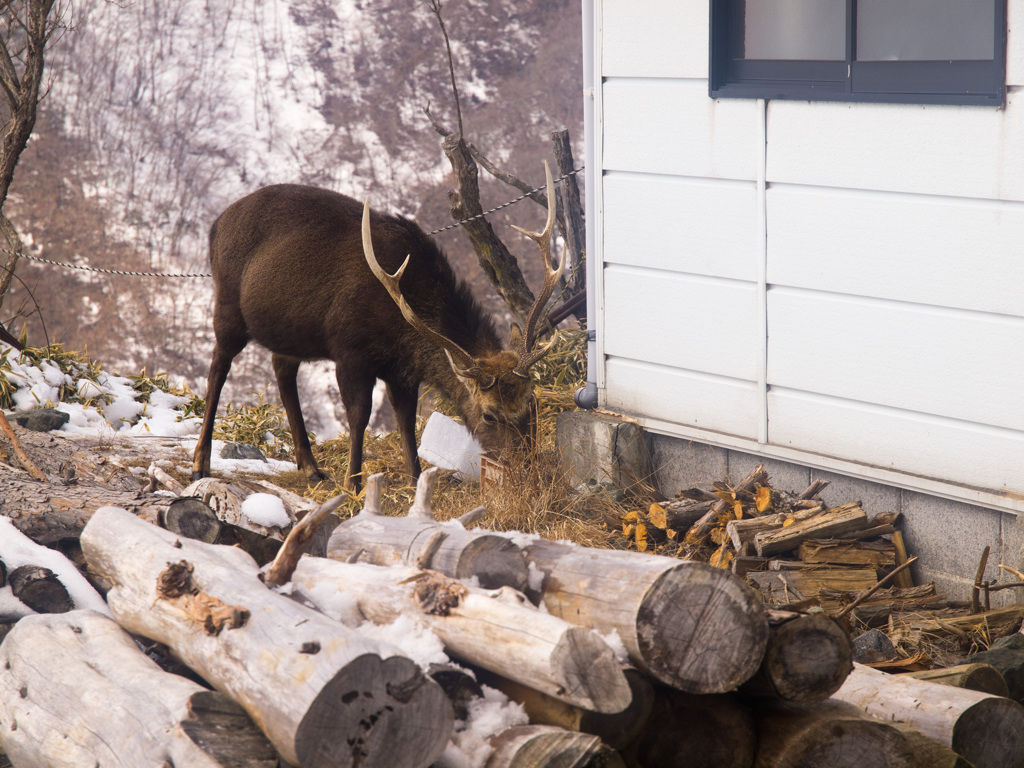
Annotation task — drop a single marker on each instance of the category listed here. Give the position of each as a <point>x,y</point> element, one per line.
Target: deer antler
<point>461,360</point>
<point>543,240</point>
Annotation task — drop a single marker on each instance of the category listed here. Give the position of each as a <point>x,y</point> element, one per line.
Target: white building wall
<point>836,284</point>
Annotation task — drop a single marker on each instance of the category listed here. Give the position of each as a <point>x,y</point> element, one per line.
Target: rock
<point>242,451</point>
<point>41,419</point>
<point>873,646</point>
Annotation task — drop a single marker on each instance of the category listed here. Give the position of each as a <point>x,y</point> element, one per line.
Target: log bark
<point>617,730</point>
<point>877,554</point>
<point>419,540</point>
<point>77,691</point>
<point>988,731</point>
<point>40,589</point>
<point>974,677</point>
<point>807,659</point>
<point>839,735</point>
<point>831,522</point>
<point>544,746</point>
<point>688,731</point>
<point>498,630</point>
<point>786,587</point>
<point>323,695</point>
<point>690,626</point>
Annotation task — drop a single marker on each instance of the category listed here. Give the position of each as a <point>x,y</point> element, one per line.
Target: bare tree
<point>26,30</point>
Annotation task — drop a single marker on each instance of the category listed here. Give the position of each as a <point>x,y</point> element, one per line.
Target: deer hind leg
<point>224,351</point>
<point>404,400</point>
<point>286,369</point>
<point>357,397</point>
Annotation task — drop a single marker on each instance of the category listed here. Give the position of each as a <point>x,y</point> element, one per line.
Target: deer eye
<point>490,418</point>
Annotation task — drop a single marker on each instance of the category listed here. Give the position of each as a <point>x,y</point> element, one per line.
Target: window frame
<point>895,82</point>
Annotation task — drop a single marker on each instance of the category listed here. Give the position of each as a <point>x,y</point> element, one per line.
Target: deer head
<point>499,404</point>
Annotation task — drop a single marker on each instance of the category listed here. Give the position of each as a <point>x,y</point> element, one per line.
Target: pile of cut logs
<point>269,670</point>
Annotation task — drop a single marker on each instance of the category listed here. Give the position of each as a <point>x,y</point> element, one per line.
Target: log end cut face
<point>591,676</point>
<point>808,660</point>
<point>375,713</point>
<point>846,743</point>
<point>991,733</point>
<point>701,630</point>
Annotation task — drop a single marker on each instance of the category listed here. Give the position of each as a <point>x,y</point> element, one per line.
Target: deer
<point>300,272</point>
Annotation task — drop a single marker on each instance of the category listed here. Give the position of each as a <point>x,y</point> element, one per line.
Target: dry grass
<point>533,495</point>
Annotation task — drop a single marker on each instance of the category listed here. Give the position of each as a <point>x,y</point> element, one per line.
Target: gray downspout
<point>587,397</point>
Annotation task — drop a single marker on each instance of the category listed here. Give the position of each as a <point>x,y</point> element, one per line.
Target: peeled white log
<point>75,690</point>
<point>986,730</point>
<point>324,695</point>
<point>691,626</point>
<point>545,746</point>
<point>419,540</point>
<point>499,630</point>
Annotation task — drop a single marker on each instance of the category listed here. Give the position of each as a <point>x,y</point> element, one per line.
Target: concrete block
<point>782,475</point>
<point>949,537</point>
<point>602,452</point>
<point>680,464</point>
<point>874,498</point>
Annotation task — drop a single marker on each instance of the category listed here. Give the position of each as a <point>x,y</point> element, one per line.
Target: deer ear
<point>483,380</point>
<point>515,338</point>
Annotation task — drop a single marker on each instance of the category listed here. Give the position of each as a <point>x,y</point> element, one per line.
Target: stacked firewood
<point>618,658</point>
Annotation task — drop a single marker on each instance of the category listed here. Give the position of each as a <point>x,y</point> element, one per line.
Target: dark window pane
<point>925,30</point>
<point>792,29</point>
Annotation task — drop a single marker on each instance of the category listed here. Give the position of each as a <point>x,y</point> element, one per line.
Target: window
<point>920,51</point>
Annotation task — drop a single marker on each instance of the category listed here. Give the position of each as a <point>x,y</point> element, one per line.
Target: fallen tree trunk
<point>807,659</point>
<point>689,731</point>
<point>419,540</point>
<point>617,730</point>
<point>988,731</point>
<point>544,746</point>
<point>110,705</point>
<point>690,626</point>
<point>492,630</point>
<point>324,695</point>
<point>833,734</point>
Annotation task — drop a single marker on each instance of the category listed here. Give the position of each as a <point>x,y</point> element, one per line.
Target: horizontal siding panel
<point>667,38</point>
<point>682,321</point>
<point>949,252</point>
<point>943,150</point>
<point>1015,43</point>
<point>672,127</point>
<point>950,363</point>
<point>931,447</point>
<point>682,397</point>
<point>701,226</point>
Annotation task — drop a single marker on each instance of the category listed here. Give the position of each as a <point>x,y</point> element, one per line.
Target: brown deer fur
<point>290,273</point>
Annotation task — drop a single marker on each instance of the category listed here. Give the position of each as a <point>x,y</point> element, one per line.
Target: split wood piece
<point>996,623</point>
<point>191,517</point>
<point>837,735</point>
<point>988,731</point>
<point>807,659</point>
<point>76,690</point>
<point>299,540</point>
<point>784,587</point>
<point>904,580</point>
<point>814,489</point>
<point>39,589</point>
<point>685,730</point>
<point>700,529</point>
<point>497,630</point>
<point>742,532</point>
<point>47,513</point>
<point>742,564</point>
<point>867,533</point>
<point>26,463</point>
<point>877,554</point>
<point>324,695</point>
<point>678,516</point>
<point>689,625</point>
<point>975,677</point>
<point>831,522</point>
<point>544,746</point>
<point>158,477</point>
<point>617,730</point>
<point>419,540</point>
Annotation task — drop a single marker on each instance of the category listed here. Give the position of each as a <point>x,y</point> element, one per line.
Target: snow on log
<point>544,746</point>
<point>419,540</point>
<point>988,731</point>
<point>808,657</point>
<point>689,625</point>
<point>324,695</point>
<point>75,690</point>
<point>498,630</point>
